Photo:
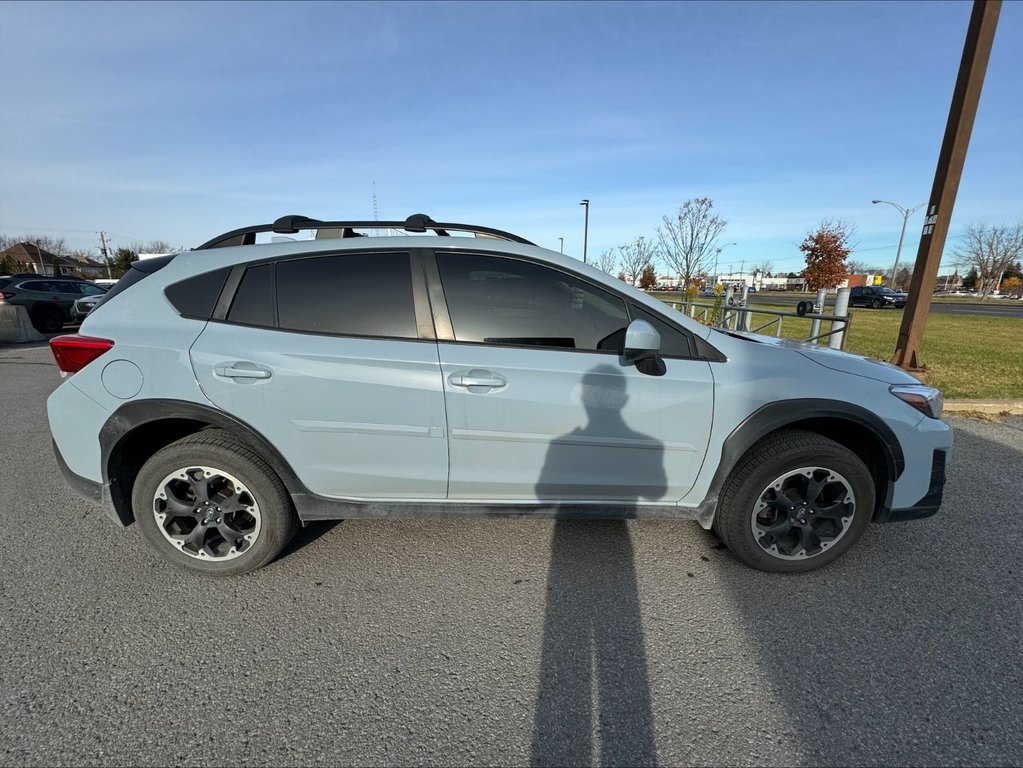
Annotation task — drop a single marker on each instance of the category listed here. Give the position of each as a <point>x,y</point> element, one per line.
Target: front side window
<point>360,294</point>
<point>494,300</point>
<point>674,343</point>
<point>90,290</point>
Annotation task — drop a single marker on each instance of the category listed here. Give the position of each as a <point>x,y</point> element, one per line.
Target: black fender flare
<point>783,413</point>
<point>139,413</point>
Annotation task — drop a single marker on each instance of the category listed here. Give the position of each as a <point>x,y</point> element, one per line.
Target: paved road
<point>457,643</point>
<point>992,308</point>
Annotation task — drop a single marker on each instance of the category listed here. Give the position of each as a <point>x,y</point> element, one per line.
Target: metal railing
<point>734,314</point>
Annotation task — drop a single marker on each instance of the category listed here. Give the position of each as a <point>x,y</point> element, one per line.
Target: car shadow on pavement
<point>593,702</point>
<point>307,534</point>
<point>907,650</point>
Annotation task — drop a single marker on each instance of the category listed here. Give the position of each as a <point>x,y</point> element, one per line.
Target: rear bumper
<point>97,493</point>
<point>929,503</point>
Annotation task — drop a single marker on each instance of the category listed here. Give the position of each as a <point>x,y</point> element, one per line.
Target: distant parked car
<point>48,300</point>
<point>875,296</point>
<point>86,304</point>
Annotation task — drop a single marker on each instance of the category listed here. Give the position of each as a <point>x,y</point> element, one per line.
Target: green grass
<point>965,356</point>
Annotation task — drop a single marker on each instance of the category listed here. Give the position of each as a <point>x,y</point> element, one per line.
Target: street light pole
<point>561,246</point>
<point>586,226</point>
<point>906,213</point>
<point>717,254</point>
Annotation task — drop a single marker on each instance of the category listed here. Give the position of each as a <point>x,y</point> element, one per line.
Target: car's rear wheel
<point>210,504</point>
<point>796,502</point>
<point>876,304</point>
<point>47,319</point>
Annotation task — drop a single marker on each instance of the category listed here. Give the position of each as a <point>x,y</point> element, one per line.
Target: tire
<point>876,303</point>
<point>752,519</point>
<point>243,516</point>
<point>47,319</point>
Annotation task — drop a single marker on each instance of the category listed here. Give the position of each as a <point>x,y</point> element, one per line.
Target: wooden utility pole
<point>976,52</point>
<point>106,257</point>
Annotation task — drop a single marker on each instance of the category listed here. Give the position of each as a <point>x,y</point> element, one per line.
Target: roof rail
<point>418,222</point>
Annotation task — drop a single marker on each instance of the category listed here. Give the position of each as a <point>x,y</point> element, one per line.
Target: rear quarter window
<point>196,296</point>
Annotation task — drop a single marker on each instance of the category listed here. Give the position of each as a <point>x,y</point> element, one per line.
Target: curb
<point>996,407</point>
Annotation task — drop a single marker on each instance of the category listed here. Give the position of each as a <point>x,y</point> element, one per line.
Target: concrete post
<point>744,317</point>
<point>841,310</point>
<point>818,308</point>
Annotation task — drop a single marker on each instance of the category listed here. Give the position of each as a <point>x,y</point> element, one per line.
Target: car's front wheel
<point>876,304</point>
<point>209,504</point>
<point>795,502</point>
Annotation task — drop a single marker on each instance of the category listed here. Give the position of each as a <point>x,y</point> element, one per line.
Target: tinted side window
<point>193,297</point>
<point>253,302</point>
<point>360,294</point>
<point>505,301</point>
<point>90,290</point>
<point>68,287</point>
<point>674,343</point>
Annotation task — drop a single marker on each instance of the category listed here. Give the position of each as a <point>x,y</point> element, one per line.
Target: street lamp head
<point>585,202</point>
<point>875,202</point>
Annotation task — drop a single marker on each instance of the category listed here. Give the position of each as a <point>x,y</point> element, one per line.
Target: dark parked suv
<point>875,296</point>
<point>49,300</point>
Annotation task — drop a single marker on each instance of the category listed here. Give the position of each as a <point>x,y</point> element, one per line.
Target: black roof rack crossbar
<point>287,225</point>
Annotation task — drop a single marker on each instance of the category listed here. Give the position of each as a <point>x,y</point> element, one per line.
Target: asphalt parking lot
<point>508,643</point>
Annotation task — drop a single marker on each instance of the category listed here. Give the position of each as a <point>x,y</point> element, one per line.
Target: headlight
<point>925,399</point>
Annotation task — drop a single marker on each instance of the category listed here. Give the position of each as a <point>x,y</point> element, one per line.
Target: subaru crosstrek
<point>221,396</point>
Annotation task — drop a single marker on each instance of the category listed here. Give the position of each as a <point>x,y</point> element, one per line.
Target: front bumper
<point>929,503</point>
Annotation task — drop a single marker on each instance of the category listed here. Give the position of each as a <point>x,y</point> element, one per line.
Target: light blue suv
<point>221,396</point>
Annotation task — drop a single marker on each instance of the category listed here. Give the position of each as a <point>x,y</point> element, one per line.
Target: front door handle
<point>242,371</point>
<point>477,378</point>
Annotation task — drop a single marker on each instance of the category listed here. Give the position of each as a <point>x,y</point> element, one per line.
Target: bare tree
<point>990,250</point>
<point>687,239</point>
<point>765,268</point>
<point>635,257</point>
<point>607,262</point>
<point>154,246</point>
<point>54,245</point>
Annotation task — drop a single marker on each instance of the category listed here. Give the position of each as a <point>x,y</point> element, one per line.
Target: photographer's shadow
<point>593,654</point>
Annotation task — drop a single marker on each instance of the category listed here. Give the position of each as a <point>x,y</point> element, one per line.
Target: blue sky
<point>179,121</point>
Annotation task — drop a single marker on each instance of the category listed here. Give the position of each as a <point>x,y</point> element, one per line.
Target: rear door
<point>332,358</point>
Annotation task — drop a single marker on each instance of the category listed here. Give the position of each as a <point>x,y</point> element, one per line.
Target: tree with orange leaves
<point>826,250</point>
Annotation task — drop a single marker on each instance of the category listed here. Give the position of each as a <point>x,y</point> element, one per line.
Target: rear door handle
<point>242,371</point>
<point>477,378</point>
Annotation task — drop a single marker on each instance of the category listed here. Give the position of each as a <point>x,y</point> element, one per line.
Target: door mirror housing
<point>642,342</point>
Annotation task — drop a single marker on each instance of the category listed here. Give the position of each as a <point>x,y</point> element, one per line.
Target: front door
<point>540,407</point>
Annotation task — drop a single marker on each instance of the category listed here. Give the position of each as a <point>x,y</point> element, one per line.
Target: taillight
<point>6,295</point>
<point>74,352</point>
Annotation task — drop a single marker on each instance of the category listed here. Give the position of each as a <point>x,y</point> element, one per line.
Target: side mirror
<point>642,342</point>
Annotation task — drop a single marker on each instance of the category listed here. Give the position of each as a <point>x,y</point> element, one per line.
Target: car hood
<point>837,360</point>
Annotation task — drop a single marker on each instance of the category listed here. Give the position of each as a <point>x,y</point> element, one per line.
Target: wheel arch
<point>45,305</point>
<point>137,430</point>
<point>856,428</point>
